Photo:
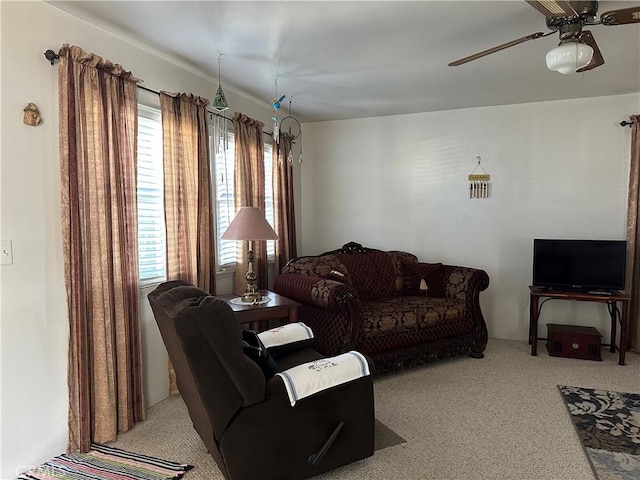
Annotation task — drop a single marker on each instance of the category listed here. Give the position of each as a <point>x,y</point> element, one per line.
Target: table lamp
<point>250,224</point>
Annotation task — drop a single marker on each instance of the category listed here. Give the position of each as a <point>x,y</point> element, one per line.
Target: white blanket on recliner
<point>309,378</point>
<point>289,333</point>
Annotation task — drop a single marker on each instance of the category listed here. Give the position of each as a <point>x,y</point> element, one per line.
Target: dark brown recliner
<point>246,421</point>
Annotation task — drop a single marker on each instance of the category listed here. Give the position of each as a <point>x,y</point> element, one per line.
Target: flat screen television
<point>584,265</point>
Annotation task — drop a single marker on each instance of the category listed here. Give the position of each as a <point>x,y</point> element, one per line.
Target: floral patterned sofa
<point>387,305</point>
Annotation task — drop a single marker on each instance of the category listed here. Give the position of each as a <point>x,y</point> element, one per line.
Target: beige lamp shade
<point>249,224</point>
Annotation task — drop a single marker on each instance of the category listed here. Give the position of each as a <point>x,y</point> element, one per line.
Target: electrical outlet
<point>6,252</point>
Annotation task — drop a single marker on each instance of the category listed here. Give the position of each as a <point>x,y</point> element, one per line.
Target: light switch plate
<point>6,252</point>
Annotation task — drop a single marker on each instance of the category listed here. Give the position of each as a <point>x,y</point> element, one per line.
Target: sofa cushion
<point>414,273</point>
<point>398,258</point>
<point>397,314</point>
<point>371,274</point>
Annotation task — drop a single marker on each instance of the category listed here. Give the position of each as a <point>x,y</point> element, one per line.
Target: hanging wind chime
<point>291,123</point>
<point>479,183</point>
<point>275,104</point>
<point>219,120</point>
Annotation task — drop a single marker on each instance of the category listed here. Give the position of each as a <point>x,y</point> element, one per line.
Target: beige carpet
<point>500,417</point>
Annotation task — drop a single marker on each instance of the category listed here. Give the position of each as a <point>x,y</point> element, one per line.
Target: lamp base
<point>251,293</point>
<point>252,297</point>
<point>240,301</point>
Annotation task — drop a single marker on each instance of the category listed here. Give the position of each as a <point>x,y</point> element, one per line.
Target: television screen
<point>579,264</point>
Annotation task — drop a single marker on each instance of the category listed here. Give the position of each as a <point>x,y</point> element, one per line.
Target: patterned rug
<point>608,425</point>
<point>106,463</point>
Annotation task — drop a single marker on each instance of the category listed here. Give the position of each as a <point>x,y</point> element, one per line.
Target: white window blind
<point>224,195</point>
<point>225,210</point>
<point>268,196</point>
<point>150,190</point>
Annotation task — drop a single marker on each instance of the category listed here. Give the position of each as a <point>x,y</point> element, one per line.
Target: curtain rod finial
<point>51,56</point>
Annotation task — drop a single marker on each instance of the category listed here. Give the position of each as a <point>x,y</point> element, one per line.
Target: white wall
<point>558,169</point>
<point>34,325</point>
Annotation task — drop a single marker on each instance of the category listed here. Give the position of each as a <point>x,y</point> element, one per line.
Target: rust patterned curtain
<point>98,136</point>
<point>249,192</point>
<point>187,195</point>
<point>285,226</point>
<point>187,190</point>
<point>633,236</point>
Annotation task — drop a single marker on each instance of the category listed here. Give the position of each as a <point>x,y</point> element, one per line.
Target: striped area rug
<point>106,463</point>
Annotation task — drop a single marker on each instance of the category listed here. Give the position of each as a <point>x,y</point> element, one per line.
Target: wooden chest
<point>573,341</point>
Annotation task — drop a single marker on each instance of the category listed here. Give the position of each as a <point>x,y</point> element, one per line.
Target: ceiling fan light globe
<point>569,57</point>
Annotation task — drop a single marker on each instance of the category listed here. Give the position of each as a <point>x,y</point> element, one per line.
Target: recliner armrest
<point>310,378</point>
<point>286,339</point>
<point>273,430</point>
<point>286,334</point>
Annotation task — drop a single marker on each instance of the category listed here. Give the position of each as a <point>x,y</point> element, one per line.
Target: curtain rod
<point>208,111</point>
<point>142,87</point>
<point>53,56</point>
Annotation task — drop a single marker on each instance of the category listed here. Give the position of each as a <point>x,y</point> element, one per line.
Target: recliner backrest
<point>203,340</point>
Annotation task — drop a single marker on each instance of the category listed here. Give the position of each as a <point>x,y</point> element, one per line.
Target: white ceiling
<point>344,59</point>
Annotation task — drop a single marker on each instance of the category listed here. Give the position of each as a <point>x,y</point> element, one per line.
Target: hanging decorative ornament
<point>275,104</point>
<point>291,127</point>
<point>300,158</point>
<point>219,120</point>
<point>479,184</point>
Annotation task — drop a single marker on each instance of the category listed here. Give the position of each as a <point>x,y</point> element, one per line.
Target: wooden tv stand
<point>612,300</point>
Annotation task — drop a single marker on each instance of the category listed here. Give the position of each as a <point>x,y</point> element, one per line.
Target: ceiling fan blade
<point>553,8</point>
<point>597,58</point>
<point>621,16</point>
<point>489,51</point>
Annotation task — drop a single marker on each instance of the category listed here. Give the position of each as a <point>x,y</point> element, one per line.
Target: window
<point>151,229</point>
<point>223,185</point>
<point>224,166</point>
<point>150,190</point>
<point>268,196</point>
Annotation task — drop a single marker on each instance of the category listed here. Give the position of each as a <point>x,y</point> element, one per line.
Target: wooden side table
<point>616,314</point>
<point>277,311</point>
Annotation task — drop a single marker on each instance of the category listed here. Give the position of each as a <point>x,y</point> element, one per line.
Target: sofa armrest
<point>465,284</point>
<point>330,308</point>
<point>317,291</point>
<point>462,283</point>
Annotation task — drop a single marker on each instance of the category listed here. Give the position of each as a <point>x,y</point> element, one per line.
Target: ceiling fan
<point>577,50</point>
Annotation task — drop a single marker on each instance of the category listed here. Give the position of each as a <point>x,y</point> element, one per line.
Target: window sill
<point>226,273</point>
